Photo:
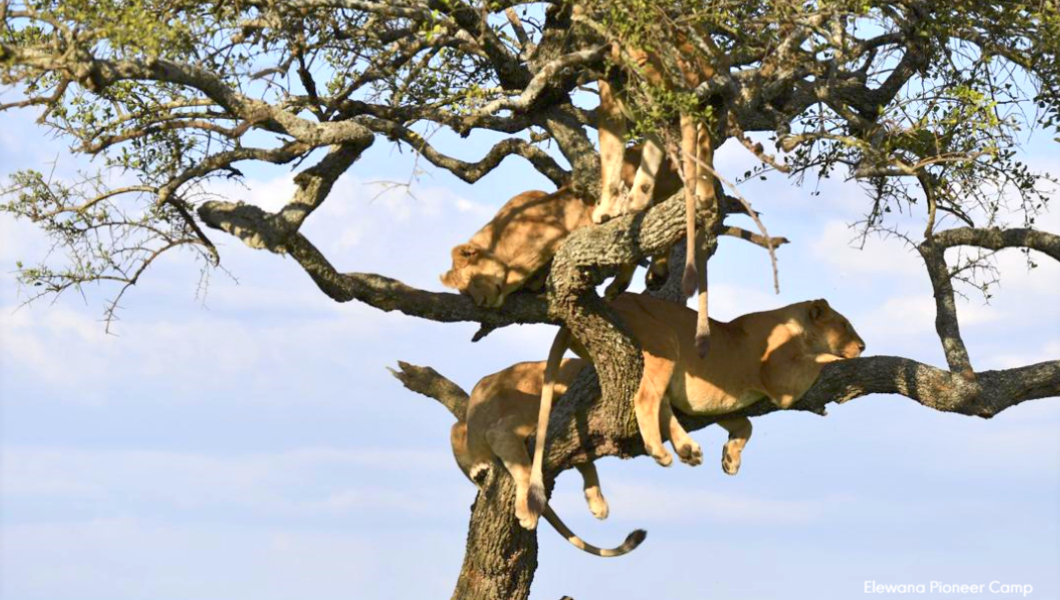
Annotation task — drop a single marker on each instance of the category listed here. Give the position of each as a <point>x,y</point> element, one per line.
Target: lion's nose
<point>861,346</point>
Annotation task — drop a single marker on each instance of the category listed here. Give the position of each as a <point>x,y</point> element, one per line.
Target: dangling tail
<point>536,500</point>
<point>632,540</point>
<point>688,279</point>
<point>696,256</point>
<point>703,316</point>
<point>691,172</point>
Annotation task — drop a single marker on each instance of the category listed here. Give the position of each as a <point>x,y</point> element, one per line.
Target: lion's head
<point>831,332</point>
<point>478,273</point>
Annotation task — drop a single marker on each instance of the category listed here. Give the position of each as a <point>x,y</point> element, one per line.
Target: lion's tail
<point>536,499</point>
<point>632,540</point>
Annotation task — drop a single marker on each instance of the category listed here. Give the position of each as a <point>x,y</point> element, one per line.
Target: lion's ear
<point>464,254</point>
<point>819,310</point>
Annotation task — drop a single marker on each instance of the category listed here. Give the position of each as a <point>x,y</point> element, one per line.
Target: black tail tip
<point>634,539</point>
<point>688,281</point>
<point>702,344</point>
<point>536,499</point>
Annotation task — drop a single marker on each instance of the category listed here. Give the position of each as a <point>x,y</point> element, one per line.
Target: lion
<point>512,250</point>
<point>515,245</point>
<point>776,354</point>
<point>696,152</point>
<point>501,414</point>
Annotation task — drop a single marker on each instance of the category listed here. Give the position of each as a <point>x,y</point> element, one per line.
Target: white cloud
<point>305,482</point>
<point>729,301</point>
<point>1045,352</point>
<point>839,246</point>
<point>915,315</point>
<point>660,504</point>
<point>126,557</point>
<point>178,354</point>
<point>481,211</point>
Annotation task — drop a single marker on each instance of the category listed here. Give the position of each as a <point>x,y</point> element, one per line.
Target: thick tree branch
<point>590,429</point>
<point>314,184</point>
<point>428,382</point>
<point>946,323</point>
<point>933,252</point>
<point>998,239</point>
<point>260,229</point>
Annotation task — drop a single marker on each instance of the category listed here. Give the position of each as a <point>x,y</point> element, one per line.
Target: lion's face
<point>832,332</point>
<point>477,273</point>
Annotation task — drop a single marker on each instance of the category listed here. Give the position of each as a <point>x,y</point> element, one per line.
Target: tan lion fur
<point>696,152</point>
<point>501,415</point>
<point>776,354</point>
<point>511,251</point>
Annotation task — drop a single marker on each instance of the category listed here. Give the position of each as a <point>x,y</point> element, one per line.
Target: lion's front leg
<point>739,432</point>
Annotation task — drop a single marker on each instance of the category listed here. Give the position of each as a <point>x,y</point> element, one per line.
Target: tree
<point>923,102</point>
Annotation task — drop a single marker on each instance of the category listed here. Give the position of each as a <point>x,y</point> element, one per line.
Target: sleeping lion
<point>501,414</point>
<point>776,354</point>
<point>513,249</point>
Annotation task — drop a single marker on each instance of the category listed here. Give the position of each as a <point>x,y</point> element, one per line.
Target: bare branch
<point>259,229</point>
<point>472,172</point>
<point>754,238</point>
<point>314,184</point>
<point>998,239</point>
<point>946,323</point>
<point>542,79</point>
<point>428,382</point>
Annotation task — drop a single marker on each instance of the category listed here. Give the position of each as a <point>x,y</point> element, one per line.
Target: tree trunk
<point>501,557</point>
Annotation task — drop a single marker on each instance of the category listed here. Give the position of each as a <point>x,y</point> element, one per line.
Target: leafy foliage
<point>902,95</point>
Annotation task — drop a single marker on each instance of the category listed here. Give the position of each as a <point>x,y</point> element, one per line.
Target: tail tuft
<point>634,539</point>
<point>688,280</point>
<point>702,344</point>
<point>536,499</point>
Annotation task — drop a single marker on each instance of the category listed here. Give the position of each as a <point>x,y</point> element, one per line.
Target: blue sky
<point>252,443</point>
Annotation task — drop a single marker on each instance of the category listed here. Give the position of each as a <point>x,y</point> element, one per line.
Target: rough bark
<point>764,85</point>
<point>500,557</point>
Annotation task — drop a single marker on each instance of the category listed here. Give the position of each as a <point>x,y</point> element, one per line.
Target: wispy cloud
<point>306,482</point>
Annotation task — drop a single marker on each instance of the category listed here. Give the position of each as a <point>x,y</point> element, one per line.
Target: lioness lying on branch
<point>776,354</point>
<point>501,414</point>
<point>512,250</point>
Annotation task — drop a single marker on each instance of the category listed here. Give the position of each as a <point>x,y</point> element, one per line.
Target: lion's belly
<point>695,396</point>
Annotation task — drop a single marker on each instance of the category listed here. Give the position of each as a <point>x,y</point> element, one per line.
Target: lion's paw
<point>597,504</point>
<point>730,460</point>
<point>527,519</point>
<point>661,456</point>
<point>690,453</point>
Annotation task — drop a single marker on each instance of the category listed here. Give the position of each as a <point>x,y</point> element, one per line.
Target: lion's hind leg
<point>739,432</point>
<point>686,448</point>
<point>591,485</point>
<point>612,132</point>
<point>510,447</point>
<point>648,402</point>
